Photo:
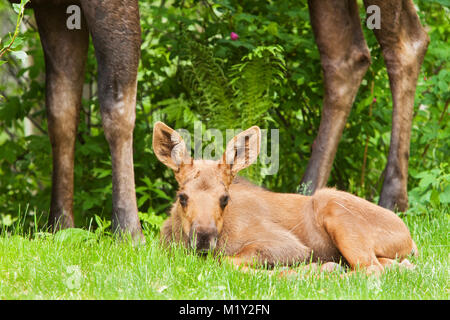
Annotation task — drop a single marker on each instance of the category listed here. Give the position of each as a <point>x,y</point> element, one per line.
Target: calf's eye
<point>183,199</point>
<point>224,201</point>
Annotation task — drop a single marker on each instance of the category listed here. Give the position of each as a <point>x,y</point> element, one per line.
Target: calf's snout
<point>203,238</point>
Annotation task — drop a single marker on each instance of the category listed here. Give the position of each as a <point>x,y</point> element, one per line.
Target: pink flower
<point>234,36</point>
<point>425,78</point>
<point>374,99</point>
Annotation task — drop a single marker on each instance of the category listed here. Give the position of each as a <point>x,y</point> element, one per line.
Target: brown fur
<point>260,226</point>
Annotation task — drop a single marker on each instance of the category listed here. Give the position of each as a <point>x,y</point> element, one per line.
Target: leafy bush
<point>433,189</point>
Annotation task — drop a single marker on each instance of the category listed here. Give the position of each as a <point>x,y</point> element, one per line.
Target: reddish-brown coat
<point>261,226</point>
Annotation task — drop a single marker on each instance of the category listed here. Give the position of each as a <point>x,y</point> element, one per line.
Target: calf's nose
<point>203,238</point>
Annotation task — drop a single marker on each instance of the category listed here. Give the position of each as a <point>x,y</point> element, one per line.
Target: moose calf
<point>217,211</point>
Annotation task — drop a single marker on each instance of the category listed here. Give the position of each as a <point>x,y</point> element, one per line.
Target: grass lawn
<point>80,265</point>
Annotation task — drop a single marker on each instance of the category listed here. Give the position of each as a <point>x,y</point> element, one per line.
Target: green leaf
<point>16,7</point>
<point>21,55</point>
<point>426,181</point>
<point>444,196</point>
<point>17,42</point>
<point>434,198</point>
<point>7,220</point>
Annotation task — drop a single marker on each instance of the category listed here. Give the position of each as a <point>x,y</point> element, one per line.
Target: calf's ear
<point>169,146</point>
<point>242,150</point>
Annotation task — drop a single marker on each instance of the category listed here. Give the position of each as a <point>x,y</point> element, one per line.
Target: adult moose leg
<point>65,55</point>
<point>403,42</point>
<point>116,34</point>
<point>345,58</point>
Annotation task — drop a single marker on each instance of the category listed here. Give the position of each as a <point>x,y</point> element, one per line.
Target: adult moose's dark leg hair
<point>403,43</point>
<point>116,34</point>
<point>65,56</point>
<point>345,58</point>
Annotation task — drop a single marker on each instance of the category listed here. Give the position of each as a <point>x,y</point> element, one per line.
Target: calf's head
<point>203,196</point>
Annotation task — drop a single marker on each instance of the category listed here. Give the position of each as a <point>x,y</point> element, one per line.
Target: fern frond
<point>208,85</point>
<point>239,99</point>
<point>253,79</point>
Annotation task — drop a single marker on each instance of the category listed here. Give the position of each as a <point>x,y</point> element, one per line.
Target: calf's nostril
<point>203,241</point>
<point>203,238</point>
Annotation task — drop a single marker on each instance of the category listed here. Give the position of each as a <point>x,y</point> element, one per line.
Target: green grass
<point>86,266</point>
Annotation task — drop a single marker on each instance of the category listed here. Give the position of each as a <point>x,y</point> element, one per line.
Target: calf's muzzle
<point>203,238</point>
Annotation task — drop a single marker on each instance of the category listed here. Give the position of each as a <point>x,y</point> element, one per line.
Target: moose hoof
<point>287,273</point>
<point>374,270</point>
<point>331,266</point>
<point>407,265</point>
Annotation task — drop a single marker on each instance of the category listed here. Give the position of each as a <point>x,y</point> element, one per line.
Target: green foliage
<point>151,223</point>
<point>208,87</point>
<point>236,98</point>
<point>433,189</point>
<point>260,71</point>
<point>14,40</point>
<point>192,70</point>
